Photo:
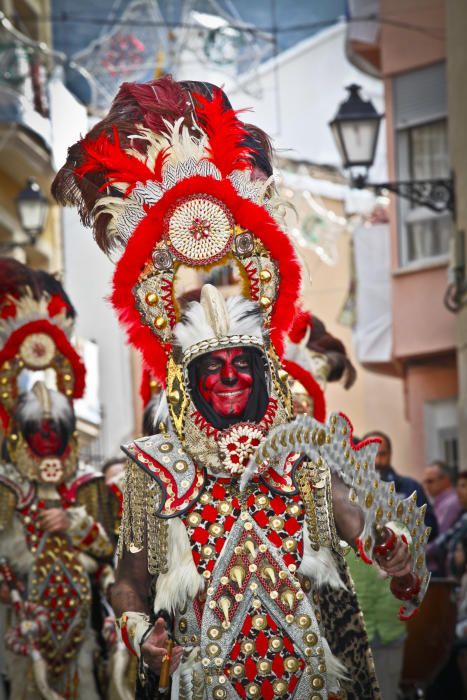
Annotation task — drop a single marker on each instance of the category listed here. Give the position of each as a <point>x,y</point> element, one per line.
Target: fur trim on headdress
<point>31,409</point>
<point>244,319</point>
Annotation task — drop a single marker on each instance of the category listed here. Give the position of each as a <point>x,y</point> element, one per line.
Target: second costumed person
<point>236,508</point>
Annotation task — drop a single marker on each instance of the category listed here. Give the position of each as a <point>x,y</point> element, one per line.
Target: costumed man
<point>51,505</point>
<point>236,507</point>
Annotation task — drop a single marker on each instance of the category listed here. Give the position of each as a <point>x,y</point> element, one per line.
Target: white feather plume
<point>31,409</point>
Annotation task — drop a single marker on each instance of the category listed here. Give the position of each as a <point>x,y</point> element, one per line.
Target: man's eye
<point>212,367</point>
<point>241,363</point>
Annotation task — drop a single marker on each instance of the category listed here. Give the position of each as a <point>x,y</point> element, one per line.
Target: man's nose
<point>228,375</point>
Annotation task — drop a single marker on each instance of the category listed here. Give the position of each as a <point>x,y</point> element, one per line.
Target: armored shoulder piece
<point>163,459</point>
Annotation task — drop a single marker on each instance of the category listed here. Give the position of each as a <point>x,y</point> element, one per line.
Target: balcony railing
<point>23,88</point>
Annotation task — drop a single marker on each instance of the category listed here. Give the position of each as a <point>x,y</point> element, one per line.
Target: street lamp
<point>355,129</point>
<point>32,209</point>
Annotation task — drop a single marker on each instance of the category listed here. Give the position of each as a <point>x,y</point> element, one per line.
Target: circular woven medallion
<point>51,470</point>
<point>37,350</point>
<point>199,229</point>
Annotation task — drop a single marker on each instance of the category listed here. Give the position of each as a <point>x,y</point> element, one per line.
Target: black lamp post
<point>32,209</point>
<point>355,129</point>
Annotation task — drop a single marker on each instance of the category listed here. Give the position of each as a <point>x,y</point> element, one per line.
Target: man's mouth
<point>235,392</point>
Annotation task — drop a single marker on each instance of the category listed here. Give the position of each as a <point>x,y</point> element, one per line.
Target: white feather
<point>319,565</point>
<point>244,319</point>
<point>182,581</point>
<point>32,410</point>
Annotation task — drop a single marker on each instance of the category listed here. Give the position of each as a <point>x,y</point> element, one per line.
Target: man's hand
<point>398,562</point>
<point>153,650</point>
<point>54,520</point>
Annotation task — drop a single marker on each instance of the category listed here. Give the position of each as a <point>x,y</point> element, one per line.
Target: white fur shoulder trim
<point>182,581</point>
<point>320,565</point>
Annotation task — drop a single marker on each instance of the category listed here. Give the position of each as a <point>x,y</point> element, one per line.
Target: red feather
<point>225,132</point>
<point>302,321</point>
<point>310,385</point>
<point>108,157</point>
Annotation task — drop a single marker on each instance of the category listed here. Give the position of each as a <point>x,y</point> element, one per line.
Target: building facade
<point>408,49</point>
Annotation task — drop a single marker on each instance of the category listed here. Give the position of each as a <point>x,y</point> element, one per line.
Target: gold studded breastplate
<point>257,625</point>
<point>58,582</point>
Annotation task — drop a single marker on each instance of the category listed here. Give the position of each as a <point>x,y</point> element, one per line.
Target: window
<point>422,154</point>
<point>441,431</point>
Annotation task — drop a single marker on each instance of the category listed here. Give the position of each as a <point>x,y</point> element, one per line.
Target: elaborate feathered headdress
<point>36,322</point>
<point>171,178</point>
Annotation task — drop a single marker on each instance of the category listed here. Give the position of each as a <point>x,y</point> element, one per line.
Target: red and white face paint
<point>225,381</point>
<point>45,441</point>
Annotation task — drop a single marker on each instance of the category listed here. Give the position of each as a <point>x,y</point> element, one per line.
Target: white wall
<point>87,279</point>
<point>294,96</point>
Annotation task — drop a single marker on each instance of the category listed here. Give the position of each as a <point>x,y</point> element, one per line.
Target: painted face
<point>225,381</point>
<point>45,441</point>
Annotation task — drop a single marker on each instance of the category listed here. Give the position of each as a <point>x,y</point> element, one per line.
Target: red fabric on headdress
<point>108,157</point>
<point>311,386</point>
<point>302,321</point>
<point>62,343</point>
<point>147,234</point>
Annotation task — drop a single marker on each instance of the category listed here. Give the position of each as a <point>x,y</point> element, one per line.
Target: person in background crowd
<point>386,634</point>
<point>55,545</point>
<point>444,550</point>
<point>405,485</point>
<point>451,550</point>
<point>439,485</point>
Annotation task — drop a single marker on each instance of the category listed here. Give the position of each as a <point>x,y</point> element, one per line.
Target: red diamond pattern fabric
<point>262,505</point>
<point>262,652</point>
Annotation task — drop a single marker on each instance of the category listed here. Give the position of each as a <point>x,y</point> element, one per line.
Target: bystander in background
<point>405,485</point>
<point>439,483</point>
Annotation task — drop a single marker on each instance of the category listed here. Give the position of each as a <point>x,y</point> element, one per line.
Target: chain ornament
<point>314,482</point>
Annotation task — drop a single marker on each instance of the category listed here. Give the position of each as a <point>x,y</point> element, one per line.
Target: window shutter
<point>420,96</point>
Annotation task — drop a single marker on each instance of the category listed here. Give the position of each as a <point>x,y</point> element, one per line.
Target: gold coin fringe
<point>140,526</point>
<point>314,482</point>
